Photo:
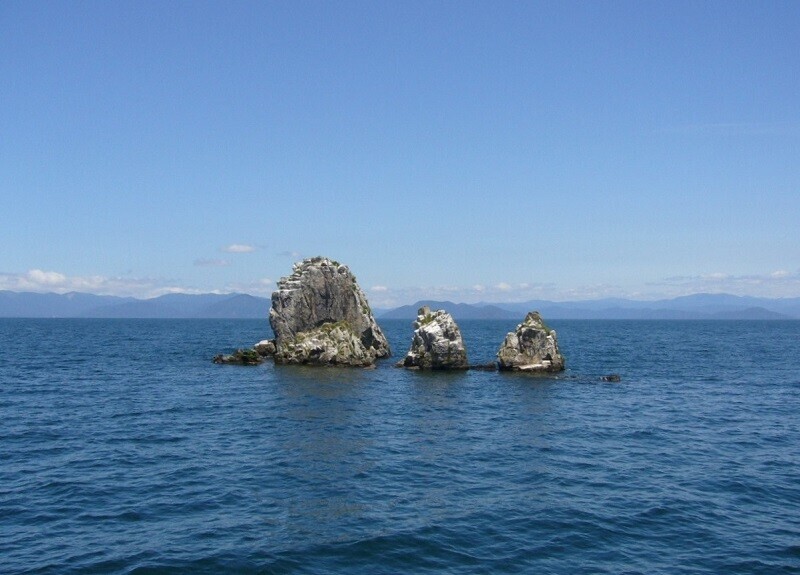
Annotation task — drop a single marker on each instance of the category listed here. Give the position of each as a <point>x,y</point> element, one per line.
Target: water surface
<point>125,450</point>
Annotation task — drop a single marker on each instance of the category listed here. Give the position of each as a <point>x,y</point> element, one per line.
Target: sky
<point>462,150</point>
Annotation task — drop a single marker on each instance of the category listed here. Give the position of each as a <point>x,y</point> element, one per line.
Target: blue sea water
<point>123,449</point>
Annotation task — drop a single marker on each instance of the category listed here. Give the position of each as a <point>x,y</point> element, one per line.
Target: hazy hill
<point>26,304</point>
<point>699,306</point>
<point>74,304</point>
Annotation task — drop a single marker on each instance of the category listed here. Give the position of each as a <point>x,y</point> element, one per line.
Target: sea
<point>124,449</point>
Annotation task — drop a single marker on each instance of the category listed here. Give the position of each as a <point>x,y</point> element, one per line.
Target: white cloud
<point>776,284</point>
<point>37,280</point>
<point>239,249</point>
<point>781,283</point>
<point>39,277</point>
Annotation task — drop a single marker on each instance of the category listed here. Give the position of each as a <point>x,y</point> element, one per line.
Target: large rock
<point>532,347</point>
<point>320,316</point>
<point>436,343</point>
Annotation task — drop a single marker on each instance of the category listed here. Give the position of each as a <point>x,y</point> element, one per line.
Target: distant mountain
<point>754,313</point>
<point>27,304</point>
<point>698,306</point>
<point>74,304</point>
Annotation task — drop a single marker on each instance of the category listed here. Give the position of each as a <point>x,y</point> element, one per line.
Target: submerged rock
<point>320,316</point>
<point>491,366</point>
<point>265,347</point>
<point>252,356</point>
<point>532,347</point>
<point>436,343</point>
<point>240,357</point>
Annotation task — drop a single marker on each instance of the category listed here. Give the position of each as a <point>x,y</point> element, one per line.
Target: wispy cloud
<point>779,283</point>
<point>291,254</point>
<point>211,263</point>
<point>386,296</point>
<point>239,249</point>
<point>43,278</point>
<point>37,280</point>
<point>776,284</point>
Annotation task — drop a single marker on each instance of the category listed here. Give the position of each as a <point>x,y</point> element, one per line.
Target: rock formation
<point>436,343</point>
<point>532,347</point>
<point>320,316</point>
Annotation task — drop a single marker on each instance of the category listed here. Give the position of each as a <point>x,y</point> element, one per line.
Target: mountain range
<point>698,306</point>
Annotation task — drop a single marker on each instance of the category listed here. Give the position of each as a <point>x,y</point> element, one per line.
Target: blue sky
<point>496,151</point>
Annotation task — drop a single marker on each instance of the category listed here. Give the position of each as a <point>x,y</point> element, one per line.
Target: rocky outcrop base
<point>332,344</point>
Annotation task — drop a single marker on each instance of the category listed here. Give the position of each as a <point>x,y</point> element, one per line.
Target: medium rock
<point>436,343</point>
<point>320,316</point>
<point>532,347</point>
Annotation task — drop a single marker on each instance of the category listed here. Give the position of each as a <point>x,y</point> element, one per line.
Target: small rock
<point>436,343</point>
<point>532,347</point>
